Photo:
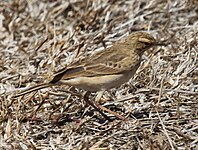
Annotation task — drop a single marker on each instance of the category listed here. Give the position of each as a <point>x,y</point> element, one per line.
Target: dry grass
<point>160,102</point>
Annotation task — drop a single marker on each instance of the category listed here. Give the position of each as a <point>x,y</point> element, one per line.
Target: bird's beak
<point>161,43</point>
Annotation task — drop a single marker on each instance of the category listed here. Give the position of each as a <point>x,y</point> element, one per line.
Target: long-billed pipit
<point>105,69</point>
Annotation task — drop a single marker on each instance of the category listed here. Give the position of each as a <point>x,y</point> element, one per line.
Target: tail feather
<point>34,88</point>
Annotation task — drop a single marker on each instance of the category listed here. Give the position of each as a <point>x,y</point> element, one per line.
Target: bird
<point>103,70</point>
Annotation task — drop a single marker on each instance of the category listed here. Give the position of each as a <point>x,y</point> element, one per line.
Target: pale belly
<point>99,83</point>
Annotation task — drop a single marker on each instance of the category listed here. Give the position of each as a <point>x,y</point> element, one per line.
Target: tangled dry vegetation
<point>159,103</point>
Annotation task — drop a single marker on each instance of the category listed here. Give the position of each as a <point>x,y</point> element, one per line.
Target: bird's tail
<point>34,88</point>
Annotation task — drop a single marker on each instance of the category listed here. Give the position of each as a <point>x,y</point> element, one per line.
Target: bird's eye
<point>146,43</point>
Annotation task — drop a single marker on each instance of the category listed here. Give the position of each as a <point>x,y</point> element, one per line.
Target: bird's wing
<point>107,63</point>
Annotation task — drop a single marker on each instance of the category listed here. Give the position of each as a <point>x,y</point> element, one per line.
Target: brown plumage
<point>105,69</point>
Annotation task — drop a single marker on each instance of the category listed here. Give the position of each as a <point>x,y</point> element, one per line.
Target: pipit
<point>103,70</point>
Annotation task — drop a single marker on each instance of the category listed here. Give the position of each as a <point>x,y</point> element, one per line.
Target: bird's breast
<point>99,83</point>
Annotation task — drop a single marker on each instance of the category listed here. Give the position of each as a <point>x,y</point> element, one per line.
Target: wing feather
<point>101,63</point>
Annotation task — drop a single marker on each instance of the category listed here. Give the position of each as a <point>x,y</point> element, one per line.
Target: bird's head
<point>141,41</point>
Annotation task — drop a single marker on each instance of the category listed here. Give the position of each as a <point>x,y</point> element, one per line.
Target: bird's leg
<point>98,98</point>
<point>100,107</point>
<point>86,98</point>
